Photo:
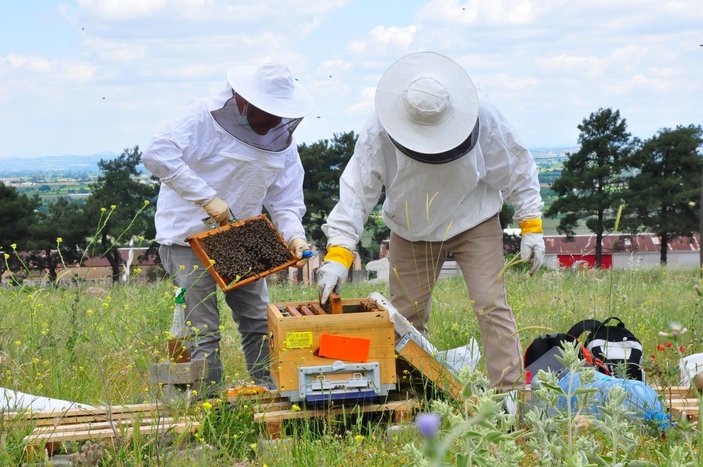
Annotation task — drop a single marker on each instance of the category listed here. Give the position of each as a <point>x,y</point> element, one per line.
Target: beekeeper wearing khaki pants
<point>448,160</point>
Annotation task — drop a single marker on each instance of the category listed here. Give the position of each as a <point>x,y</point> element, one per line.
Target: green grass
<point>69,344</point>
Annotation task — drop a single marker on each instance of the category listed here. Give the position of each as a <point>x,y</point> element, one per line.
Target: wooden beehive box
<point>296,328</point>
<point>242,251</point>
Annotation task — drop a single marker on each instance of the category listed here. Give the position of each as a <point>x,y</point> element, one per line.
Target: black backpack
<point>611,344</point>
<point>542,353</point>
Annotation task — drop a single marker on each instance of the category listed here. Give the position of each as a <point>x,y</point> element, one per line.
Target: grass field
<point>74,345</point>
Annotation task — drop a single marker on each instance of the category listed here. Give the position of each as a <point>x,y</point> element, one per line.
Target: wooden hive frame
<point>196,244</point>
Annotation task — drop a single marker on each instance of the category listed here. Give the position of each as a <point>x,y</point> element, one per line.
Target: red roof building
<point>620,251</point>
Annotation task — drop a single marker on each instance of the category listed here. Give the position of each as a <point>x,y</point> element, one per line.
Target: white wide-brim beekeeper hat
<point>428,105</point>
<point>271,88</point>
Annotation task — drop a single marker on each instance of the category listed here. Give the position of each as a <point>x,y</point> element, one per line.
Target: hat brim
<point>296,105</point>
<point>427,139</point>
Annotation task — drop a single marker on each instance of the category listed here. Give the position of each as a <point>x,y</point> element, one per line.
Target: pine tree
<point>591,181</point>
<point>664,192</point>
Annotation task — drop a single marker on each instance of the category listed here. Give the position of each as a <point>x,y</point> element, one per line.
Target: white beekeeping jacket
<point>434,202</point>
<point>195,160</point>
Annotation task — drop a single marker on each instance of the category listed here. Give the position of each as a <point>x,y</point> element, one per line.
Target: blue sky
<point>89,76</point>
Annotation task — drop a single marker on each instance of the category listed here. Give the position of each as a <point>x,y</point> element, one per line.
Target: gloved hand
<point>330,278</point>
<point>532,243</point>
<point>218,210</point>
<point>532,250</point>
<point>301,250</point>
<point>333,273</point>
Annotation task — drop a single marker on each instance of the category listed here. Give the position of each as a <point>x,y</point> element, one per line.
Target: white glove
<point>218,210</point>
<point>299,246</point>
<point>532,250</point>
<point>330,278</point>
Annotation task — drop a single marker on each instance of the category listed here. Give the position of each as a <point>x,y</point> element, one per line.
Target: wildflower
<point>691,203</point>
<point>207,406</point>
<point>182,267</point>
<point>668,344</point>
<point>253,446</point>
<point>222,328</point>
<point>59,239</point>
<point>90,312</point>
<point>677,329</point>
<point>295,408</point>
<point>359,438</point>
<point>13,246</point>
<point>113,206</point>
<point>682,349</point>
<point>146,202</point>
<point>103,209</point>
<point>6,256</point>
<point>212,261</point>
<point>428,424</point>
<point>660,347</point>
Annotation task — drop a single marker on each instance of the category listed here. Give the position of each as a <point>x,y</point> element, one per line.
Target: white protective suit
<point>196,160</point>
<point>434,202</point>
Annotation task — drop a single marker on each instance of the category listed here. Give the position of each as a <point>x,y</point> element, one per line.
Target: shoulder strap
<point>619,324</point>
<point>584,326</point>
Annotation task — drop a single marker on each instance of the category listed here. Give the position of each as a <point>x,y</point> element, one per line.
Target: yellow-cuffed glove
<point>334,271</point>
<point>218,209</point>
<point>301,250</point>
<point>532,243</point>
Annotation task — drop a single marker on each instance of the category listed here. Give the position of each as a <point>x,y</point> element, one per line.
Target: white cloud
<point>381,40</point>
<point>572,64</point>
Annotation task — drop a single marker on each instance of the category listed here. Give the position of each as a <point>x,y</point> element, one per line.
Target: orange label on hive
<point>299,340</point>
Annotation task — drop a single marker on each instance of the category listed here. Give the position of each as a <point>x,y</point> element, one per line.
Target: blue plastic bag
<point>640,398</point>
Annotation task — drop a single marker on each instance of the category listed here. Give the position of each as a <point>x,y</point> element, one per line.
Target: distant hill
<point>52,165</point>
<point>72,165</point>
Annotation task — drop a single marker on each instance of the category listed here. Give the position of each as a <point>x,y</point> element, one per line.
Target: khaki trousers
<point>414,268</point>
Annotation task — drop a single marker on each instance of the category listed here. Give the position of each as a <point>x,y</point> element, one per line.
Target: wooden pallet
<point>681,401</point>
<point>99,423</point>
<point>272,410</point>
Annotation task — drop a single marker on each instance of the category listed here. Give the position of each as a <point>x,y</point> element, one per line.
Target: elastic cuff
<point>530,226</point>
<point>340,255</point>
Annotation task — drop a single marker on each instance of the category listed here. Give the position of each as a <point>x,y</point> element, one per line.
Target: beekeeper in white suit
<point>228,157</point>
<point>448,160</point>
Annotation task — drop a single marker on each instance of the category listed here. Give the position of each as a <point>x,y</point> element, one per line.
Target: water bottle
<point>640,398</point>
<point>178,351</point>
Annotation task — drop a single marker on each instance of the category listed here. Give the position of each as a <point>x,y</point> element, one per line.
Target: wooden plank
<point>55,417</point>
<point>81,435</point>
<point>306,311</point>
<point>288,414</point>
<point>675,390</point>
<point>430,368</point>
<point>317,309</point>
<point>335,304</point>
<point>293,311</point>
<point>99,410</point>
<point>99,425</point>
<point>689,412</point>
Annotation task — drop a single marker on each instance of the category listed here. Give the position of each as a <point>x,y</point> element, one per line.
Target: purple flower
<point>428,424</point>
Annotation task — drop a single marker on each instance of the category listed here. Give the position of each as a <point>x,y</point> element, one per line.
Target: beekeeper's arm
<point>359,190</point>
<point>165,158</point>
<point>285,202</point>
<point>511,169</point>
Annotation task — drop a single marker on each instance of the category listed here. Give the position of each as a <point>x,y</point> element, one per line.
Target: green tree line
<point>657,181</point>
